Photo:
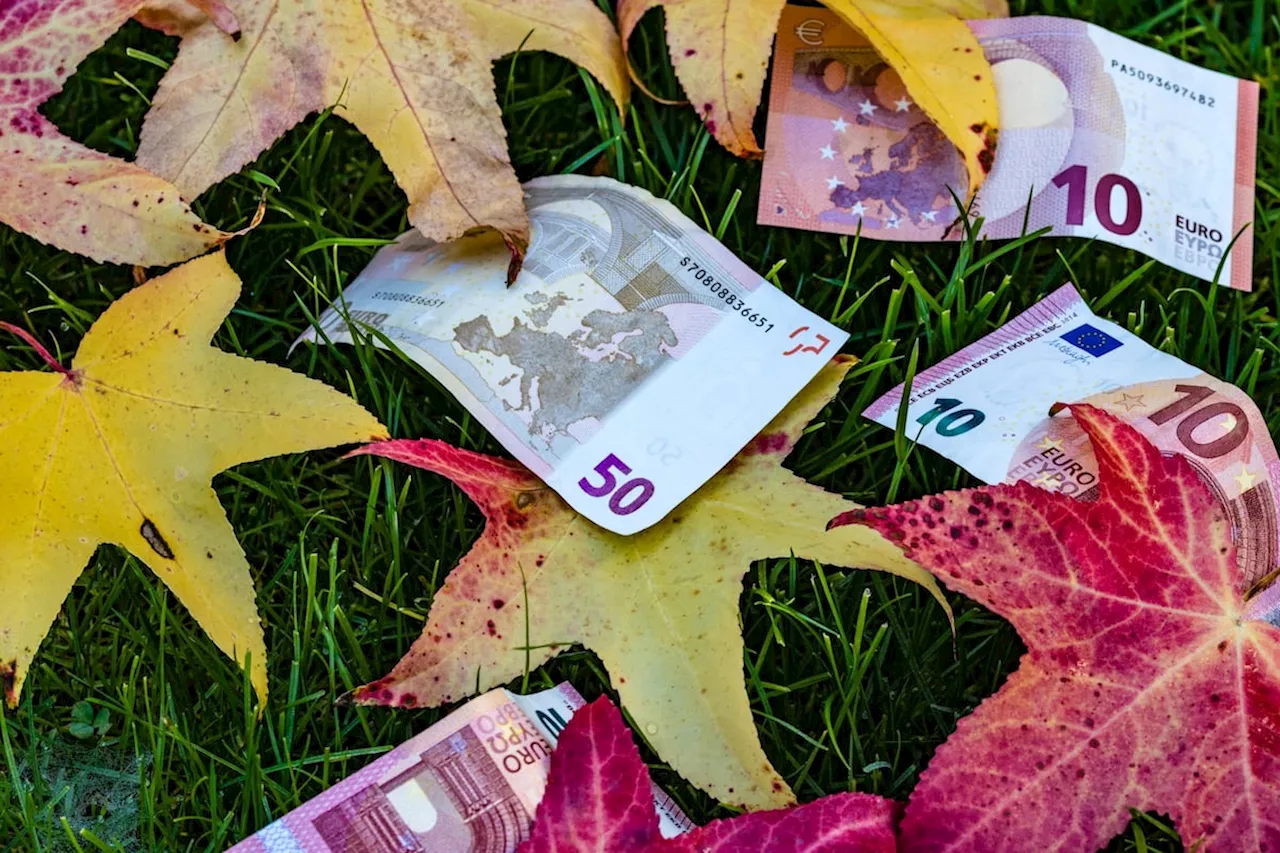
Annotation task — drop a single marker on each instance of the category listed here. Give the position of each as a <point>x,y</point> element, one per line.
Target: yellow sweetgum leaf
<point>122,447</point>
<point>413,75</point>
<point>660,608</point>
<point>720,50</point>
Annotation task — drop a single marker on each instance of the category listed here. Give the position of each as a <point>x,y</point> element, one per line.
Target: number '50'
<point>628,497</point>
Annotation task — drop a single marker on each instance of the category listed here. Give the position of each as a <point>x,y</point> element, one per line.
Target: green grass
<point>854,676</point>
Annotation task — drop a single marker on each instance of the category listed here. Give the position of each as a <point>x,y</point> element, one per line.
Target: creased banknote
<point>1101,136</point>
<point>989,409</point>
<point>632,358</point>
<point>469,784</point>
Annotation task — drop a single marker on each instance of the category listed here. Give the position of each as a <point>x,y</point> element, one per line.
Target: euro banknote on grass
<point>992,409</point>
<point>1100,137</point>
<point>631,359</point>
<point>469,784</point>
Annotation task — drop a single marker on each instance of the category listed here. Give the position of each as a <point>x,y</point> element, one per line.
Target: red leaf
<point>839,823</point>
<point>599,800</point>
<point>1144,685</point>
<point>598,794</point>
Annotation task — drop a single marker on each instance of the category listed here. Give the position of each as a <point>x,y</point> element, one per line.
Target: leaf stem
<point>38,347</point>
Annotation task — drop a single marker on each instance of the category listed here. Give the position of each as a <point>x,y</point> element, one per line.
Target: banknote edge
<point>1061,299</point>
<point>1246,180</point>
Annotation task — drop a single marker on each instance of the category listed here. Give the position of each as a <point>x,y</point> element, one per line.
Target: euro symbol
<point>810,31</point>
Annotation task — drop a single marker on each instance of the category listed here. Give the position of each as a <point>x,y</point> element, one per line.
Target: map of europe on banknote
<point>1102,137</point>
<point>631,359</point>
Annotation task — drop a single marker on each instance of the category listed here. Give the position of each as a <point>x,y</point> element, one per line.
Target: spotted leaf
<point>1145,684</point>
<point>56,189</point>
<point>660,608</point>
<point>414,76</point>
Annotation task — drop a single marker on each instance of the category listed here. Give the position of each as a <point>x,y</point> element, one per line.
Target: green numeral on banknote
<point>954,424</point>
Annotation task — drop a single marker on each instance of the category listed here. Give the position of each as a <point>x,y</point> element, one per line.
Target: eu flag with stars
<point>1091,340</point>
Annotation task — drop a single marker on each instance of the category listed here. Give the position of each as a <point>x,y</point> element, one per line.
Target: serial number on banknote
<point>725,293</point>
<point>410,298</point>
<point>1160,82</point>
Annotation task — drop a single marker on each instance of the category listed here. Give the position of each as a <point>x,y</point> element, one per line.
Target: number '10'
<point>954,424</point>
<point>1076,180</point>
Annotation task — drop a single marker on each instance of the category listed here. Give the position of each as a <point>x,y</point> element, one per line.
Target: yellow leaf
<point>57,190</point>
<point>413,75</point>
<point>122,447</point>
<point>720,50</point>
<point>942,65</point>
<point>973,8</point>
<point>660,608</point>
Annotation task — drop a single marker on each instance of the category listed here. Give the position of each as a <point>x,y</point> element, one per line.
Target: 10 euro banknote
<point>469,784</point>
<point>991,408</point>
<point>1099,137</point>
<point>631,359</point>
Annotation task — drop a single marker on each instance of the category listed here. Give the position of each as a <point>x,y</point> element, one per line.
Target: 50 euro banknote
<point>992,408</point>
<point>469,784</point>
<point>1100,137</point>
<point>629,361</point>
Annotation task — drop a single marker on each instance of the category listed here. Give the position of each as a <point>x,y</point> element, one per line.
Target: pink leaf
<point>52,187</point>
<point>839,823</point>
<point>1144,685</point>
<point>599,800</point>
<point>598,794</point>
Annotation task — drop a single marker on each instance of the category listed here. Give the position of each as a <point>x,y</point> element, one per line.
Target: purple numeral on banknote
<point>628,497</point>
<point>1076,180</point>
<point>1100,137</point>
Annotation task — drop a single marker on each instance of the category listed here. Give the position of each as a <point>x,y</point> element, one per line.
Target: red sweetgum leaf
<point>1144,686</point>
<point>599,800</point>
<point>56,189</point>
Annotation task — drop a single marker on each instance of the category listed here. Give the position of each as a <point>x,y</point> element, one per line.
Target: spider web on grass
<point>93,788</point>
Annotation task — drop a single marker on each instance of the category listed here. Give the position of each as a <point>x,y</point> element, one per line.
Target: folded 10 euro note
<point>990,409</point>
<point>469,784</point>
<point>1102,137</point>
